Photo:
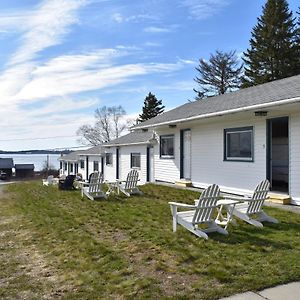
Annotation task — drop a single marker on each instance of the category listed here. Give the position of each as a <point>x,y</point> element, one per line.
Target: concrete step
<point>279,198</point>
<point>184,183</point>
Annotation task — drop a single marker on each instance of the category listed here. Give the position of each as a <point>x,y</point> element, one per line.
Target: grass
<point>56,245</point>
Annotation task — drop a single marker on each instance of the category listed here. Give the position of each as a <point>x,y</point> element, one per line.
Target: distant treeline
<point>35,152</point>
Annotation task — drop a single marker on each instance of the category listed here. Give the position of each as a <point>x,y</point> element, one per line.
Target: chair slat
<point>259,197</point>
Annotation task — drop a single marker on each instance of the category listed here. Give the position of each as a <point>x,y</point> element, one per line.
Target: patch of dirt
<point>147,262</point>
<point>3,194</point>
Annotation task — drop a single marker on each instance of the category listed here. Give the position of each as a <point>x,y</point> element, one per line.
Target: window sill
<point>238,160</point>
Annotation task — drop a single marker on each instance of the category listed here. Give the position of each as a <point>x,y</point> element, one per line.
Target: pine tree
<point>298,42</point>
<point>222,73</point>
<point>272,54</point>
<point>152,107</point>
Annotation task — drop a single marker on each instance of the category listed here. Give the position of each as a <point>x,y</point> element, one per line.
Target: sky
<point>62,59</point>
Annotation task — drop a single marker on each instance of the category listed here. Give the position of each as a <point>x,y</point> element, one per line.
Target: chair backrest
<point>207,204</point>
<point>69,181</point>
<point>259,197</point>
<point>96,180</point>
<point>50,179</point>
<point>132,179</point>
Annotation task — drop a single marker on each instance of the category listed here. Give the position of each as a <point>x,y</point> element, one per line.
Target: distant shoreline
<point>30,152</point>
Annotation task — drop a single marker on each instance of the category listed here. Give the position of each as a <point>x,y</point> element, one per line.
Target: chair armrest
<point>182,205</point>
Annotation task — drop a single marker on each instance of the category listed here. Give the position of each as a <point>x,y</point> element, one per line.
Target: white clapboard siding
<point>295,158</point>
<point>208,165</point>
<point>125,161</point>
<point>167,170</point>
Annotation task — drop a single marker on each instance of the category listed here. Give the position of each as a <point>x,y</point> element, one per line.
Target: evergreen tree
<point>152,107</point>
<point>272,54</point>
<point>222,73</point>
<point>298,41</point>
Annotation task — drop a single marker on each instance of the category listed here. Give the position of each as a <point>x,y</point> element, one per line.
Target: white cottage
<point>132,151</point>
<point>89,161</point>
<point>69,163</point>
<point>82,162</point>
<point>234,140</point>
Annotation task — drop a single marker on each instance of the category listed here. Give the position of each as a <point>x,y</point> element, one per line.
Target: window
<point>238,144</point>
<point>71,167</point>
<point>60,164</point>
<point>96,166</point>
<point>82,164</point>
<point>108,159</point>
<point>167,146</point>
<point>65,166</point>
<point>135,161</point>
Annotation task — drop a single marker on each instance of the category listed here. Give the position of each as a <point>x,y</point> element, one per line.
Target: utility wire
<point>41,138</point>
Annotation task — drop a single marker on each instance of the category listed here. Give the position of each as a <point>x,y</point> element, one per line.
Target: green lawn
<point>57,245</point>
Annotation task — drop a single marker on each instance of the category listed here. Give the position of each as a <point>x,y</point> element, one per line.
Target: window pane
<point>82,164</point>
<point>135,160</point>
<point>239,144</point>
<point>167,146</point>
<point>96,166</point>
<point>108,158</point>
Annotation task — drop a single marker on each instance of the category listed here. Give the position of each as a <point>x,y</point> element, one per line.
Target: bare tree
<point>110,123</point>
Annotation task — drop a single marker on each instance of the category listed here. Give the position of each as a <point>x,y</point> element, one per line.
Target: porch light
<point>261,113</point>
<point>153,140</point>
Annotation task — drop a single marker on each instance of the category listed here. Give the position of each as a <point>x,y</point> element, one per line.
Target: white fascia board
<point>224,112</point>
<point>128,144</point>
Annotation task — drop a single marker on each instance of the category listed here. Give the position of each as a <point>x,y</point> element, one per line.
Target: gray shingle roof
<point>6,163</point>
<point>92,151</point>
<point>24,166</point>
<point>271,92</point>
<point>136,137</point>
<point>72,156</point>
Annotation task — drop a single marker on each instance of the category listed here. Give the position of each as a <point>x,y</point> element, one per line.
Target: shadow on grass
<point>247,234</point>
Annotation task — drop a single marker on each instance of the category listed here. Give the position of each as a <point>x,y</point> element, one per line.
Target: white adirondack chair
<point>202,213</point>
<point>94,188</point>
<point>253,206</point>
<point>49,180</point>
<point>129,186</point>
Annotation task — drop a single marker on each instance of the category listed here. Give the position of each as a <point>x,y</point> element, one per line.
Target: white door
<point>187,154</point>
<point>151,164</point>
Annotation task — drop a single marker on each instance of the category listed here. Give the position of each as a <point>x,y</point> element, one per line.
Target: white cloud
<point>156,29</point>
<point>40,96</point>
<point>187,61</point>
<point>80,73</point>
<point>46,27</point>
<point>152,44</point>
<point>119,18</point>
<point>202,9</point>
<point>14,21</point>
